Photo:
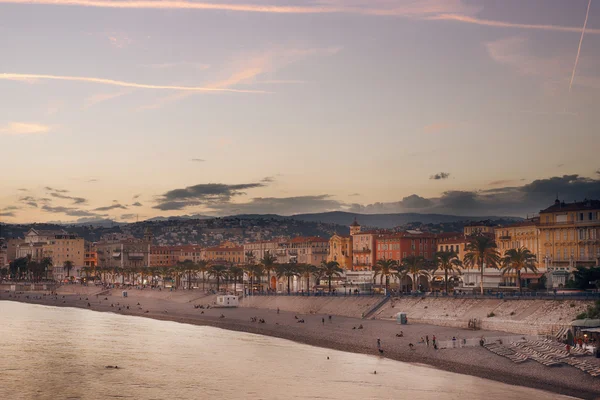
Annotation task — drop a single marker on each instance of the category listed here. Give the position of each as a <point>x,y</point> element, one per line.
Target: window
<point>582,234</point>
<point>547,235</point>
<point>565,234</point>
<point>582,253</point>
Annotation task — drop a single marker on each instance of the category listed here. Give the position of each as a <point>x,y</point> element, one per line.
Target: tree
<point>288,271</point>
<point>269,263</point>
<point>36,270</point>
<point>237,273</point>
<point>47,263</point>
<point>331,269</point>
<point>250,257</point>
<point>305,271</point>
<point>518,260</point>
<point>18,266</point>
<point>218,272</point>
<point>68,265</point>
<point>585,278</point>
<point>449,262</point>
<point>385,268</point>
<point>164,272</point>
<point>253,271</point>
<point>188,267</point>
<point>414,266</point>
<point>203,267</point>
<point>482,251</point>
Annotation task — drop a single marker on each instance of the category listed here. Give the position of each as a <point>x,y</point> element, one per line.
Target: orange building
<point>90,258</point>
<point>400,245</point>
<point>226,253</point>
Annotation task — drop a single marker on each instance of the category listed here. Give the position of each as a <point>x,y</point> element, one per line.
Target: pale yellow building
<point>569,235</point>
<point>340,250</point>
<point>478,228</point>
<point>520,234</point>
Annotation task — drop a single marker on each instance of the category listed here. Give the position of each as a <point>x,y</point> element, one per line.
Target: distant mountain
<point>180,217</point>
<point>388,221</point>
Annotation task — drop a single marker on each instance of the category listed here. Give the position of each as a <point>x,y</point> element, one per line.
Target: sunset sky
<point>126,109</point>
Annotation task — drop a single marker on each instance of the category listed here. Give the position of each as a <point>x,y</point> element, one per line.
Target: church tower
<point>148,235</point>
<point>355,227</point>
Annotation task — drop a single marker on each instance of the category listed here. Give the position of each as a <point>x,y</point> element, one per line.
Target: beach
<point>339,332</point>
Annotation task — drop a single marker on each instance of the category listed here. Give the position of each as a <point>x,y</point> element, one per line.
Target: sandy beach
<point>337,333</point>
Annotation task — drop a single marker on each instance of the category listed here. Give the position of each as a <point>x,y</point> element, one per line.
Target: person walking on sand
<point>427,340</point>
<point>323,321</point>
<point>378,343</point>
<point>277,310</point>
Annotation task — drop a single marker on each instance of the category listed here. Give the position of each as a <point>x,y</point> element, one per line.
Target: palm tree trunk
<point>481,283</point>
<point>446,279</point>
<point>288,285</point>
<point>415,282</point>
<point>519,281</point>
<point>308,285</point>
<point>218,283</point>
<point>329,283</point>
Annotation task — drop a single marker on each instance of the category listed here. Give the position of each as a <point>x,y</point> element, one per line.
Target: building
<point>162,256</point>
<point>363,247</point>
<point>124,253</point>
<point>188,252</point>
<point>397,246</point>
<point>479,227</point>
<point>260,249</point>
<point>569,235</point>
<point>3,257</point>
<point>225,253</point>
<point>90,258</point>
<point>42,236</point>
<point>308,250</point>
<point>11,248</point>
<point>340,250</point>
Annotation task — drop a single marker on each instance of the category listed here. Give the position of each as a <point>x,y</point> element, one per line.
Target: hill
<point>388,221</point>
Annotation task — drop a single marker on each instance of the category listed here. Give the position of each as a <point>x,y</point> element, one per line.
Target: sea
<point>63,353</point>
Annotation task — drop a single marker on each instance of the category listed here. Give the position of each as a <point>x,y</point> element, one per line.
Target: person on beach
<point>323,321</point>
<point>330,318</point>
<point>277,310</point>
<point>453,341</point>
<point>433,341</point>
<point>378,343</point>
<point>427,340</point>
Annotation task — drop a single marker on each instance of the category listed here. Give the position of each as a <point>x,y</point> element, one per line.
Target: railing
<point>505,237</point>
<point>587,221</point>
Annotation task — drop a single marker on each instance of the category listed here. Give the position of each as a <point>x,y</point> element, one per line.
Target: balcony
<point>363,250</point>
<point>505,237</point>
<point>571,222</point>
<point>135,256</point>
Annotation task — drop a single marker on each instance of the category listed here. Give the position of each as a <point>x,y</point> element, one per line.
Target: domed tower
<point>355,227</point>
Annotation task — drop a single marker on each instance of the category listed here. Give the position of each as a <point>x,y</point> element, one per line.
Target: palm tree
<point>218,272</point>
<point>331,269</point>
<point>414,266</point>
<point>305,271</point>
<point>47,263</point>
<point>203,267</point>
<point>236,273</point>
<point>164,273</point>
<point>518,260</point>
<point>250,257</point>
<point>86,270</point>
<point>68,265</point>
<point>385,268</point>
<point>254,271</point>
<point>187,266</point>
<point>482,251</point>
<point>449,262</point>
<point>288,271</point>
<point>269,263</point>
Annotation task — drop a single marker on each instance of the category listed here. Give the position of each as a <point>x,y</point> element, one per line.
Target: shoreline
<point>335,336</point>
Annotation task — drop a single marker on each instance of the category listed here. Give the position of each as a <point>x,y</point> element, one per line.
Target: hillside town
<point>549,247</point>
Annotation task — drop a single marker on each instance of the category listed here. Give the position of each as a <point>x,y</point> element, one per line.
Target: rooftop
<point>575,206</point>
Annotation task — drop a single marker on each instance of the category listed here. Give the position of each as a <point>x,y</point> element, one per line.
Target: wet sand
<point>339,334</point>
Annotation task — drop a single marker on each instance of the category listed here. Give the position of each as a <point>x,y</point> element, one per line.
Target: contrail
<point>502,24</point>
<point>579,48</point>
<point>423,12</point>
<point>21,77</point>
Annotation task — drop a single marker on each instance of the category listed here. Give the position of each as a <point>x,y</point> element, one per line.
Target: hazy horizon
<point>119,109</point>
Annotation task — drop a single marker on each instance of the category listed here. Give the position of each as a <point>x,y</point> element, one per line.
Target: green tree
<point>518,260</point>
<point>18,266</point>
<point>306,271</point>
<point>188,267</point>
<point>269,263</point>
<point>448,262</point>
<point>253,271</point>
<point>288,271</point>
<point>481,252</point>
<point>237,273</point>
<point>68,266</point>
<point>331,269</point>
<point>218,272</point>
<point>165,273</point>
<point>384,269</point>
<point>47,263</point>
<point>585,278</point>
<point>414,266</point>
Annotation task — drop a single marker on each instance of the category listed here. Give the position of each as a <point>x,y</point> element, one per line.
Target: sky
<point>135,109</point>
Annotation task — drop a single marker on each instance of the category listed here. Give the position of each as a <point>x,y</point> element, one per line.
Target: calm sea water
<point>61,353</point>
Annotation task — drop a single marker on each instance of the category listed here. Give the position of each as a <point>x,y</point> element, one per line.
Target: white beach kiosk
<point>227,300</point>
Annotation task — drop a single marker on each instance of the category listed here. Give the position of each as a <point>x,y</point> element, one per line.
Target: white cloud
<point>23,128</point>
